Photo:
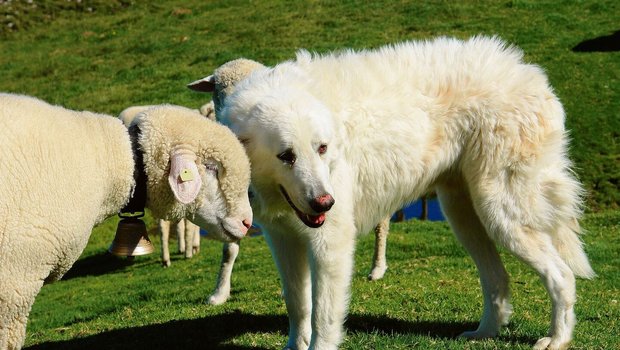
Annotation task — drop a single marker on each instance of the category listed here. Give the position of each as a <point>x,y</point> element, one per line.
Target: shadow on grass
<point>214,332</point>
<point>205,333</point>
<point>606,43</point>
<point>433,329</point>
<point>97,265</point>
<point>436,329</point>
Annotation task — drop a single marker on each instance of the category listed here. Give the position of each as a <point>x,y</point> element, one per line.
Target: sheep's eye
<point>287,156</point>
<point>212,167</point>
<point>322,149</point>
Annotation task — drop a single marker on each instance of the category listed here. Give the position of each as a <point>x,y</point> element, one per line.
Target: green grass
<point>107,55</point>
<point>428,296</point>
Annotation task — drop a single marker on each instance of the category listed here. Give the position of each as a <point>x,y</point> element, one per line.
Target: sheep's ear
<point>206,84</point>
<point>184,178</point>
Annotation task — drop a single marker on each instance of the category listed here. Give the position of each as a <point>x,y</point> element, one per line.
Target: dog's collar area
<point>137,200</point>
<point>312,221</point>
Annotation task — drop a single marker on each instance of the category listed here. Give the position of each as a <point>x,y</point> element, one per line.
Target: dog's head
<point>289,137</point>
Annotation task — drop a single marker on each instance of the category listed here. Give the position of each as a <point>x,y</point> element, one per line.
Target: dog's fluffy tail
<point>564,197</point>
<point>566,240</point>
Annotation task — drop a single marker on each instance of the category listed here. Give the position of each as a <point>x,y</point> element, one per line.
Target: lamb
<point>222,83</point>
<point>64,171</point>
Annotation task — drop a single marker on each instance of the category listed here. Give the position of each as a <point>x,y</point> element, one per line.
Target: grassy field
<point>107,55</point>
<point>429,295</point>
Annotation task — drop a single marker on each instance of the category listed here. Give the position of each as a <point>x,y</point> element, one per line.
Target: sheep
<point>64,171</point>
<point>188,234</point>
<point>222,83</point>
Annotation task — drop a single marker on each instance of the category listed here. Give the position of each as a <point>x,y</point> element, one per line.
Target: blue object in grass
<point>414,210</point>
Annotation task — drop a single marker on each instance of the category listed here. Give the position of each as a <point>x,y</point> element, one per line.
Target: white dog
<point>338,141</point>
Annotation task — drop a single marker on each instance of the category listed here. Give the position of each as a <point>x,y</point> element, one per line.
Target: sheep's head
<point>196,169</point>
<point>223,80</point>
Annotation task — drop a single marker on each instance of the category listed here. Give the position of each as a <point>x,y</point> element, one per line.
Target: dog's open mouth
<point>313,221</point>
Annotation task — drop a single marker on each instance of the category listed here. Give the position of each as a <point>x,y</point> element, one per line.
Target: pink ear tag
<point>184,178</point>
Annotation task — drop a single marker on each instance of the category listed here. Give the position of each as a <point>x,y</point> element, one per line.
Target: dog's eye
<point>322,149</point>
<point>287,156</point>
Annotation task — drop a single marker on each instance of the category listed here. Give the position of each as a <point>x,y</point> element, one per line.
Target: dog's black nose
<point>322,203</point>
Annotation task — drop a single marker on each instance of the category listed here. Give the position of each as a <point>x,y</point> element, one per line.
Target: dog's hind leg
<point>457,206</point>
<point>509,209</point>
<point>379,262</point>
<point>291,258</point>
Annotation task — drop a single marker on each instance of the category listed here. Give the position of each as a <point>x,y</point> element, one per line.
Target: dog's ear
<point>206,84</point>
<point>184,178</point>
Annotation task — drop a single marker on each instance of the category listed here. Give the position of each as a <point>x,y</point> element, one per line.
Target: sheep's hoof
<point>165,263</point>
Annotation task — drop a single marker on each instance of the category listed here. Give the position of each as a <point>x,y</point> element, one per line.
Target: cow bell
<point>131,238</point>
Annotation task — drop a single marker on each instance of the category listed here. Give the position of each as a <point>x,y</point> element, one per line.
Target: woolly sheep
<point>222,83</point>
<point>188,234</point>
<point>64,171</point>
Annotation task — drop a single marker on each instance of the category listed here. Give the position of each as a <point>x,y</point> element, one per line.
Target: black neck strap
<point>137,201</point>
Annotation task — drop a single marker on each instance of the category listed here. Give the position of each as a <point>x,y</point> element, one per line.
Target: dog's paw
<point>549,343</point>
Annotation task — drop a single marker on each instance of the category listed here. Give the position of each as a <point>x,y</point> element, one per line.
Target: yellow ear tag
<point>186,175</point>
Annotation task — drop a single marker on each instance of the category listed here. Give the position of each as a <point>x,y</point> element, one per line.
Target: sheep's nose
<point>322,203</point>
<point>246,224</point>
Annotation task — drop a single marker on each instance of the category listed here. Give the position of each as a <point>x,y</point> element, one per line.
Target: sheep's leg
<point>15,305</point>
<point>222,289</point>
<point>191,232</point>
<point>180,230</point>
<point>164,234</point>
<point>291,258</point>
<point>196,235</point>
<point>379,262</point>
<point>187,236</point>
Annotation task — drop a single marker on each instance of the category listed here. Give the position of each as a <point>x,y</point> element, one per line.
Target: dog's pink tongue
<point>317,220</point>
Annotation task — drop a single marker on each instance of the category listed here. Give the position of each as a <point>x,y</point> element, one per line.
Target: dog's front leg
<point>331,263</point>
<point>290,254</point>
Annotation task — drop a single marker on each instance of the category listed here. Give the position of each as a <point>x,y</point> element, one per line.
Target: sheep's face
<point>196,169</point>
<point>288,136</point>
<point>212,215</point>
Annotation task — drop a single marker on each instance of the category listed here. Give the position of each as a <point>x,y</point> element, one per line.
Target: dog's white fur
<point>468,118</point>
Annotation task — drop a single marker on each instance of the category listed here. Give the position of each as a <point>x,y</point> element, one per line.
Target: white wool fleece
<point>64,171</point>
<point>188,131</point>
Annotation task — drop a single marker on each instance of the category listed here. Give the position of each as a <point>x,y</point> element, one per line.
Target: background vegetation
<point>107,55</point>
